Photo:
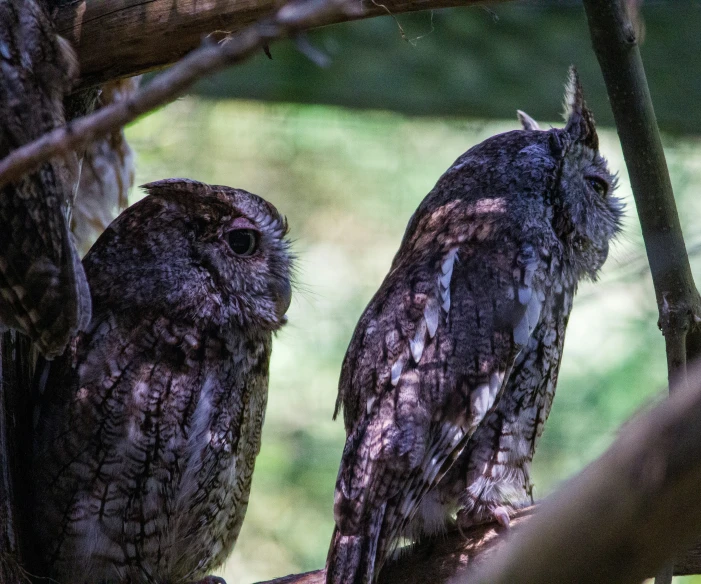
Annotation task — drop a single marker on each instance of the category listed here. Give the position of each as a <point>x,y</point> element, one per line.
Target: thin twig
<point>166,87</point>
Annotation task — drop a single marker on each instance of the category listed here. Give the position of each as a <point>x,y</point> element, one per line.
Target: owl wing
<point>426,364</point>
<point>43,290</point>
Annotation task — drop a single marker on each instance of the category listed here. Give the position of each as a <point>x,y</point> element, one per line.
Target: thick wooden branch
<point>120,38</point>
<point>214,55</point>
<point>455,554</point>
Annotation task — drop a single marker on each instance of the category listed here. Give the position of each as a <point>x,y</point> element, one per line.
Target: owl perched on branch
<point>456,356</point>
<point>43,292</point>
<point>150,424</point>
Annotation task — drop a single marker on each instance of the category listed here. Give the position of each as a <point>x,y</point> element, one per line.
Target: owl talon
<point>502,516</point>
<point>210,580</point>
<point>499,514</point>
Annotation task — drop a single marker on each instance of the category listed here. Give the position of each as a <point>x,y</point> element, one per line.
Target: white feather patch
<point>418,342</point>
<point>445,278</point>
<point>371,402</point>
<point>431,315</point>
<point>524,327</point>
<point>480,403</point>
<point>397,370</point>
<point>527,121</point>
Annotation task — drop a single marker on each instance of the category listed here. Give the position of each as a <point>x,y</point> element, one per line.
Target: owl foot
<point>500,514</point>
<point>210,580</point>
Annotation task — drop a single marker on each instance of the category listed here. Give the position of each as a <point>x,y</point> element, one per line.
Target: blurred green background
<point>348,180</point>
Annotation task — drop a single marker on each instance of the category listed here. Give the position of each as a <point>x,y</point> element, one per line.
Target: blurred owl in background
<point>150,424</point>
<point>43,291</point>
<point>457,354</point>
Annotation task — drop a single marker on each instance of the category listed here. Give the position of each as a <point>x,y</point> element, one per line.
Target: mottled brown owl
<point>150,424</point>
<point>471,316</point>
<point>43,292</point>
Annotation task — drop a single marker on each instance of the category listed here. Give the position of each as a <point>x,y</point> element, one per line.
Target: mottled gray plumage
<point>43,292</point>
<point>456,356</point>
<point>150,424</point>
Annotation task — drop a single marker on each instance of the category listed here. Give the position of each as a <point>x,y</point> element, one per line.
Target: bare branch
<point>615,45</point>
<point>211,57</point>
<point>125,37</point>
<point>616,48</point>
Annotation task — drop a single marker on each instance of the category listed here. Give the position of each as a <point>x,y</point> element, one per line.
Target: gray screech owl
<point>150,424</point>
<point>456,356</point>
<point>43,292</point>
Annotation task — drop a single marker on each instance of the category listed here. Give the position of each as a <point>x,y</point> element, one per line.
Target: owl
<point>43,291</point>
<point>107,173</point>
<point>456,356</point>
<point>150,424</point>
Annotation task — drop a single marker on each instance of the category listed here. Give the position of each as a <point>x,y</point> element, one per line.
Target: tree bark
<point>121,38</point>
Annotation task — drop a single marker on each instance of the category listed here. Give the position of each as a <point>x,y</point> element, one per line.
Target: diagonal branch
<point>454,554</point>
<point>165,88</point>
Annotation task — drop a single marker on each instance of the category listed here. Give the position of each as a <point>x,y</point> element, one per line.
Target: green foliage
<point>477,62</point>
<point>348,183</point>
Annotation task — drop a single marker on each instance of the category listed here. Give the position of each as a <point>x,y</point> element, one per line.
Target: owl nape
<point>150,423</point>
<point>451,371</point>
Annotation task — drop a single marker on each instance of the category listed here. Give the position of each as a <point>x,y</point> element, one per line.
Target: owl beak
<point>282,292</point>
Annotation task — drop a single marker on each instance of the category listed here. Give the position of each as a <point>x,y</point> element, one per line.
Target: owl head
<point>213,255</point>
<point>535,182</point>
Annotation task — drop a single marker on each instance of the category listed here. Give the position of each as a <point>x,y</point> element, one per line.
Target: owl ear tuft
<point>174,185</point>
<point>580,121</point>
<point>527,121</point>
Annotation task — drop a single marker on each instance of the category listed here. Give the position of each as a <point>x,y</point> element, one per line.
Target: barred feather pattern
<point>43,291</point>
<point>452,368</point>
<point>150,425</point>
<point>491,478</point>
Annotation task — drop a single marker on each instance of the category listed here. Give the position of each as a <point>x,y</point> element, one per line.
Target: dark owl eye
<point>599,185</point>
<point>242,242</point>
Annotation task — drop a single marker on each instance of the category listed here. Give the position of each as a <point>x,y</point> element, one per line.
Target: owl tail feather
<point>351,559</point>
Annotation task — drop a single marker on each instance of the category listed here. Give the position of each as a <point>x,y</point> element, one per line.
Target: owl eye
<point>243,242</point>
<point>599,185</point>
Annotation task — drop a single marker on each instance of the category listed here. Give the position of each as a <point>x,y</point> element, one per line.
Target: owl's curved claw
<point>499,514</point>
<point>210,580</point>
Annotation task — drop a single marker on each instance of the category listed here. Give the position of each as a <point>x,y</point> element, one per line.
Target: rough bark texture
<point>160,32</point>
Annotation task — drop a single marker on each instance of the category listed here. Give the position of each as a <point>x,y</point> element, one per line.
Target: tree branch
<point>166,87</point>
<point>615,45</point>
<point>449,556</point>
<point>616,48</point>
<point>126,37</point>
